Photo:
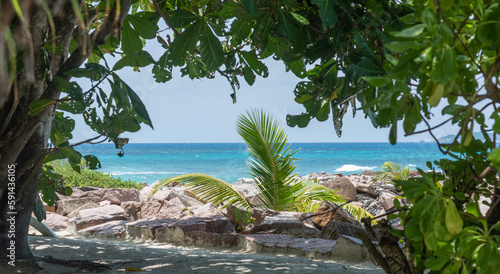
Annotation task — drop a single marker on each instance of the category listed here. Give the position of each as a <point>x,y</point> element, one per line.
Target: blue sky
<point>201,111</point>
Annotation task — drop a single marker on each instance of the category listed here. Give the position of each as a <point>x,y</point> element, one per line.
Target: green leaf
<point>454,223</point>
<point>393,134</point>
<point>37,107</point>
<point>437,263</point>
<point>139,59</point>
<point>142,26</point>
<point>251,6</point>
<point>436,95</point>
<point>180,18</point>
<point>400,46</point>
<point>240,30</point>
<point>39,209</point>
<point>287,28</point>
<point>411,31</point>
<point>488,31</point>
<point>326,12</point>
<point>323,111</point>
<point>210,49</point>
<point>139,106</point>
<point>300,19</point>
<point>162,70</point>
<point>131,42</point>
<point>376,81</point>
<point>494,157</point>
<point>185,43</point>
<point>248,75</point>
<point>254,63</point>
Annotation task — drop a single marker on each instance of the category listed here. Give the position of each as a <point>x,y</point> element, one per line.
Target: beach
<point>73,254</point>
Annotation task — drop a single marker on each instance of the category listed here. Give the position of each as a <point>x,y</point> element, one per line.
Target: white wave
<point>412,165</point>
<point>349,168</point>
<point>144,172</point>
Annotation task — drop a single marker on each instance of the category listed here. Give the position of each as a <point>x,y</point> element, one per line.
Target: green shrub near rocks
<point>88,177</point>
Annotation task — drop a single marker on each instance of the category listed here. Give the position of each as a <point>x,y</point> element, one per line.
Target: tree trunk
<point>23,137</point>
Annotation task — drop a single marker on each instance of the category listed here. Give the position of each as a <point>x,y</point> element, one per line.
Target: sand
<point>77,255</point>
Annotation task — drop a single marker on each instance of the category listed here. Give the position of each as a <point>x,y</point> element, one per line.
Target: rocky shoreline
<point>173,215</point>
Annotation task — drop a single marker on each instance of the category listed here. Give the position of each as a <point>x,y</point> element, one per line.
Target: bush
<point>87,177</point>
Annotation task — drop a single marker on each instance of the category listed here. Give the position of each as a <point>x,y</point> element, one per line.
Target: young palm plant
<point>271,165</point>
<point>392,171</point>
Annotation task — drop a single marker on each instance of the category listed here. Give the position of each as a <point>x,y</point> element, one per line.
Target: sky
<point>201,111</point>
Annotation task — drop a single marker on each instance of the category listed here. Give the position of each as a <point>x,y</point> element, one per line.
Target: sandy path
<point>164,258</point>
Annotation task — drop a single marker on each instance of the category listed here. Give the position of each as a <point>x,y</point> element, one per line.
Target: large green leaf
<point>180,18</point>
<point>240,30</point>
<point>250,6</point>
<point>139,59</point>
<point>185,43</point>
<point>136,101</point>
<point>142,26</point>
<point>210,49</point>
<point>162,70</point>
<point>131,42</point>
<point>254,63</point>
<point>326,12</point>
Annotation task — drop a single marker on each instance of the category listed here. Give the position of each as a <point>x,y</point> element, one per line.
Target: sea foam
<point>349,168</point>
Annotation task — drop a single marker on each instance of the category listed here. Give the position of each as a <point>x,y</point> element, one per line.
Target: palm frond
<point>209,189</point>
<point>271,163</point>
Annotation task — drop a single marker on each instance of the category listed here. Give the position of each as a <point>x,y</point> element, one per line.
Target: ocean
<point>227,161</point>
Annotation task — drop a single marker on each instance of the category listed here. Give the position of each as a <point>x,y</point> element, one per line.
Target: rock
<point>285,225</point>
<point>338,214</point>
<point>333,229</point>
<point>173,184</point>
<point>343,186</point>
<point>368,173</point>
<point>146,191</point>
<point>245,181</point>
<point>205,211</point>
<point>144,184</point>
<point>386,187</point>
<point>79,223</point>
<point>132,210</point>
<point>374,208</point>
<point>386,199</point>
<point>109,230</point>
<point>414,173</point>
<point>145,229</point>
<point>115,195</point>
<point>104,203</point>
<point>366,188</point>
<point>75,212</point>
<point>55,221</point>
<point>65,206</point>
<point>176,232</point>
<point>254,200</point>
<point>105,210</point>
<point>157,208</point>
<point>260,214</point>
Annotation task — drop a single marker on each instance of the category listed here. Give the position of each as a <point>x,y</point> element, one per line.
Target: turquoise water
<point>150,162</point>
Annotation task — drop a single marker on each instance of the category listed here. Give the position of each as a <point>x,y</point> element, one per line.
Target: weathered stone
<point>79,223</point>
<point>109,230</point>
<point>374,208</point>
<point>104,203</point>
<point>132,210</point>
<point>260,214</point>
<point>175,232</point>
<point>333,229</point>
<point>75,212</point>
<point>386,199</point>
<point>115,195</point>
<point>55,221</point>
<point>65,206</point>
<point>200,238</point>
<point>337,214</point>
<point>414,173</point>
<point>366,188</point>
<point>145,229</point>
<point>158,207</point>
<point>286,226</point>
<point>206,211</point>
<point>343,186</point>
<point>368,173</point>
<point>104,210</point>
